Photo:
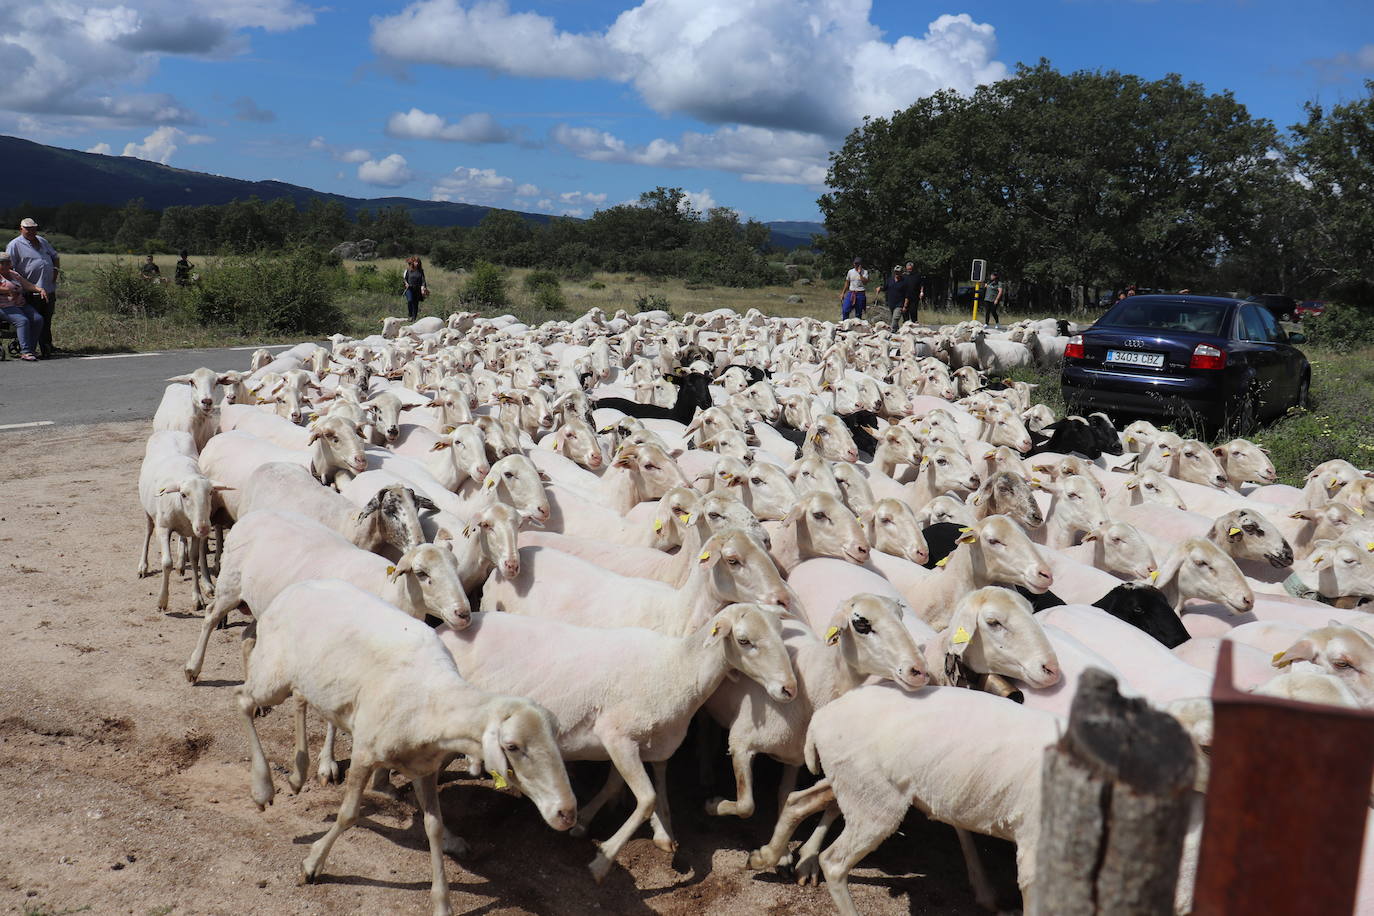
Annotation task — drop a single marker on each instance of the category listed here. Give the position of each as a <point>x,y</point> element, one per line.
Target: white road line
<point>26,425</point>
<point>263,347</point>
<point>119,356</point>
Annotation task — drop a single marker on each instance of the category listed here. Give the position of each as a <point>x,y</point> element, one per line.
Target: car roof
<point>1178,297</point>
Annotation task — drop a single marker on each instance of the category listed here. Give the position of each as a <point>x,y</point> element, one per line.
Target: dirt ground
<point>127,789</point>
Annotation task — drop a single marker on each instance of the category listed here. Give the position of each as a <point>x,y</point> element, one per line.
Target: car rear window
<point>1198,317</point>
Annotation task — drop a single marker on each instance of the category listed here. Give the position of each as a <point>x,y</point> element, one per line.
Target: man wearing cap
<point>38,262</point>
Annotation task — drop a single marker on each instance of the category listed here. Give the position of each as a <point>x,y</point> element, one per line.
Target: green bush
<point>651,301</point>
<point>283,295</point>
<point>537,278</point>
<point>121,289</point>
<point>367,278</point>
<point>581,270</point>
<point>485,286</point>
<point>1340,327</point>
<point>596,284</point>
<point>549,298</point>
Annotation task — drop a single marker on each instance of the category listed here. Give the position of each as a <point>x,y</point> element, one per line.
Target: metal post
<point>1287,800</point>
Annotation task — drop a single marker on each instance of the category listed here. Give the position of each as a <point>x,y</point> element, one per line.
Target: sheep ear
<point>721,625</point>
<point>220,488</point>
<point>442,443</point>
<point>424,502</point>
<point>401,568</point>
<point>314,434</point>
<point>545,478</point>
<point>493,757</point>
<point>183,379</point>
<point>170,488</point>
<point>962,628</point>
<point>1301,651</point>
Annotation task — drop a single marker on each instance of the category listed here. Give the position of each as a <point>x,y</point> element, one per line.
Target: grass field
<point>1339,423</point>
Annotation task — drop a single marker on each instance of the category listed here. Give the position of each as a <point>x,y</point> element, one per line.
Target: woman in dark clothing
<point>415,286</point>
<point>183,272</point>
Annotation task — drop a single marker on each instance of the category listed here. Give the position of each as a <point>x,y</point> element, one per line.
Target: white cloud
<point>492,189</point>
<point>391,172</point>
<point>805,65</point>
<point>76,61</point>
<point>700,201</point>
<point>1342,65</point>
<point>101,148</point>
<point>161,144</point>
<point>479,127</point>
<point>753,153</point>
<point>353,155</point>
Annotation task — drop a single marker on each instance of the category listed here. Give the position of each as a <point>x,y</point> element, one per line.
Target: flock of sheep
<point>836,545</point>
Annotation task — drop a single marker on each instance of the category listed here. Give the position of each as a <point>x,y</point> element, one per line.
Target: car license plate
<point>1131,358</point>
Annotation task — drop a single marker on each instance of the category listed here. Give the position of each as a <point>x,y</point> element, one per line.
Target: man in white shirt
<point>855,297</point>
<point>38,262</point>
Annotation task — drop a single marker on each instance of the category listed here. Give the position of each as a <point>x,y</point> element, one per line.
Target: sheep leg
<point>427,793</point>
<point>381,782</point>
<point>226,599</point>
<point>354,784</point>
<point>207,584</point>
<point>788,783</point>
<point>301,758</point>
<point>624,756</point>
<point>661,821</point>
<point>800,806</point>
<point>587,813</point>
<point>327,770</point>
<point>983,894</point>
<point>808,863</point>
<point>147,539</point>
<point>261,775</point>
<point>195,575</point>
<point>861,835</point>
<point>185,555</point>
<point>743,805</point>
<point>164,536</point>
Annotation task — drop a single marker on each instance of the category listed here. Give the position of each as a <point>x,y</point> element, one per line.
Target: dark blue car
<point>1204,360</point>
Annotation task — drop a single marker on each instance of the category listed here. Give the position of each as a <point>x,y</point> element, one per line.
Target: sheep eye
<point>513,747</point>
<point>1341,663</point>
<point>509,475</point>
<point>743,643</point>
<point>995,624</point>
<point>818,516</point>
<point>731,561</point>
<point>756,480</point>
<point>714,515</point>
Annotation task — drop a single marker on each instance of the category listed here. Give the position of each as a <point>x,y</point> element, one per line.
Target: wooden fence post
<point>1114,809</point>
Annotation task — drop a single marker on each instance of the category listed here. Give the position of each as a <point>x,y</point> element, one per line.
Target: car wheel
<point>1304,392</point>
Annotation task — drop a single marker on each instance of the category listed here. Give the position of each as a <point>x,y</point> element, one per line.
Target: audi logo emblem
<point>1135,343</point>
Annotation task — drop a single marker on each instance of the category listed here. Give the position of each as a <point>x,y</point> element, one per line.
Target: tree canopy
<point>1058,179</point>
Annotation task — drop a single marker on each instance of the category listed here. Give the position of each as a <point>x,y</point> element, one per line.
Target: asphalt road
<point>71,390</point>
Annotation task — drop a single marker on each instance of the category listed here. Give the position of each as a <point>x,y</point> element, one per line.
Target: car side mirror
<point>1297,337</point>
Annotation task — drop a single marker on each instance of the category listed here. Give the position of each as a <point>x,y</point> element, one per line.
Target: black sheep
<point>692,392</point>
<point>1145,608</point>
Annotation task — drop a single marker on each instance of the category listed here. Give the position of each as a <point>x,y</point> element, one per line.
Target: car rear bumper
<point>1206,396</point>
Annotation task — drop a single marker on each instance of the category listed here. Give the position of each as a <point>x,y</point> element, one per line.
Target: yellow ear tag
<point>715,628</point>
<point>816,438</point>
<point>684,517</point>
<point>1358,510</point>
<point>942,561</point>
<point>832,636</point>
<point>1369,545</point>
<point>1130,440</point>
<point>658,524</point>
<point>1154,575</point>
<point>391,570</point>
<point>1167,454</point>
<point>705,555</point>
<point>960,637</point>
<point>977,501</point>
<point>1131,485</point>
<point>498,780</point>
<point>605,429</point>
<point>1278,661</point>
<point>925,460</point>
<point>1317,559</point>
<point>1233,532</point>
<point>1333,482</point>
<point>491,482</point>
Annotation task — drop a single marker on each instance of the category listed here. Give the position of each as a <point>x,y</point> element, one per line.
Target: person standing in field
<point>415,289</point>
<point>38,263</point>
<point>915,290</point>
<point>855,296</point>
<point>183,270</point>
<point>895,290</point>
<point>992,301</point>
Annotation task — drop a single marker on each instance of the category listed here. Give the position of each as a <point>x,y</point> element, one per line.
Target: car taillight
<point>1205,357</point>
<point>1074,348</point>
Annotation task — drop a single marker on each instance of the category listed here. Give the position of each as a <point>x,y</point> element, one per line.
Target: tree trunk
<point>1116,793</point>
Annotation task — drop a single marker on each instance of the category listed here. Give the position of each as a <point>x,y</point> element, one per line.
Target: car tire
<point>1304,392</point>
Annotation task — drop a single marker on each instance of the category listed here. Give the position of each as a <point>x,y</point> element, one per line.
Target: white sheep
<point>386,679</point>
<point>625,695</point>
<point>177,499</point>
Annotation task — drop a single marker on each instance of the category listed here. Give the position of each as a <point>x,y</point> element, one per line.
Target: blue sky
<point>564,107</point>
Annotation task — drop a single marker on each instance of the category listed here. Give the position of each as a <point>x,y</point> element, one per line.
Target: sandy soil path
<point>126,789</point>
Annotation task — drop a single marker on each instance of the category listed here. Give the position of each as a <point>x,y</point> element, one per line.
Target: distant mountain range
<point>50,176</point>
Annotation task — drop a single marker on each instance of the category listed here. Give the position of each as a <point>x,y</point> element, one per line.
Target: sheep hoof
<point>667,844</point>
<point>307,876</point>
<point>327,773</point>
<point>192,675</point>
<point>578,830</point>
<point>718,807</point>
<point>600,866</point>
<point>761,858</point>
<point>809,871</point>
